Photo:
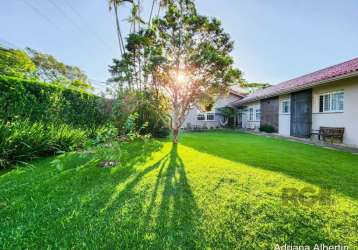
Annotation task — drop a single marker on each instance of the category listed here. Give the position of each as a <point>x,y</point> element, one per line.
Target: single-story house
<point>325,98</point>
<point>199,118</point>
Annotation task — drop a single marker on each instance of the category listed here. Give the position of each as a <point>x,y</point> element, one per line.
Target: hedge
<point>37,101</point>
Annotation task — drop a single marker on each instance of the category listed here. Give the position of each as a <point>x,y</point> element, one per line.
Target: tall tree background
<point>133,92</point>
<point>16,63</point>
<point>35,65</point>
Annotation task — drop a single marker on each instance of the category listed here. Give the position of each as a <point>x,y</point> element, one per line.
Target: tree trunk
<point>151,12</point>
<point>175,121</point>
<point>119,32</point>
<point>175,135</point>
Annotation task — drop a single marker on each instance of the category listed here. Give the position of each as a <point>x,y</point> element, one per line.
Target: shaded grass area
<point>215,190</point>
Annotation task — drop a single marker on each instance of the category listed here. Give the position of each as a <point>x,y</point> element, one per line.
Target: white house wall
<point>191,120</point>
<point>246,122</point>
<point>284,126</point>
<point>348,118</point>
<point>222,101</point>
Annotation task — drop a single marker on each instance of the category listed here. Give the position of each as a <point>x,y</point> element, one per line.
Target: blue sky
<point>274,40</point>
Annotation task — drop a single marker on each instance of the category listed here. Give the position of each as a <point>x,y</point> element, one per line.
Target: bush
<point>38,101</point>
<point>66,138</point>
<point>162,132</point>
<point>105,134</point>
<point>267,128</point>
<point>152,110</point>
<point>25,140</point>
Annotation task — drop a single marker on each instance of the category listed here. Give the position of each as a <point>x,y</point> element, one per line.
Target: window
<point>210,116</point>
<point>258,114</point>
<point>251,114</point>
<point>207,116</point>
<point>285,107</point>
<point>331,102</point>
<point>200,117</point>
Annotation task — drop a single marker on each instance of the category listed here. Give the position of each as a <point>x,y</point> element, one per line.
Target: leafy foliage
<point>182,54</point>
<point>32,64</point>
<point>105,134</point>
<point>26,140</point>
<point>16,63</point>
<point>50,69</point>
<point>229,114</point>
<point>147,107</point>
<point>131,130</point>
<point>37,101</point>
<point>267,128</point>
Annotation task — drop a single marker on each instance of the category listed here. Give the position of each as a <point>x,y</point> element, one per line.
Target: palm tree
<point>135,18</point>
<point>114,4</point>
<point>151,12</point>
<point>163,4</point>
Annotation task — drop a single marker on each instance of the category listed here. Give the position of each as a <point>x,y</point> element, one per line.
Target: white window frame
<point>251,114</point>
<point>282,107</point>
<point>201,115</point>
<point>328,102</point>
<point>258,114</point>
<point>206,115</point>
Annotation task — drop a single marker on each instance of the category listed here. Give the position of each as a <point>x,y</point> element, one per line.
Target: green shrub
<point>267,128</point>
<point>25,140</point>
<point>151,108</point>
<point>38,101</point>
<point>105,133</point>
<point>162,132</point>
<point>66,138</point>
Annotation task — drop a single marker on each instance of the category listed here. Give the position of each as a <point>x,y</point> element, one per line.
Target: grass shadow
<point>178,213</point>
<point>164,203</point>
<point>51,200</point>
<point>151,201</point>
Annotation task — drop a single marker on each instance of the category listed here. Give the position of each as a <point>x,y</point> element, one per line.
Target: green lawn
<point>215,190</point>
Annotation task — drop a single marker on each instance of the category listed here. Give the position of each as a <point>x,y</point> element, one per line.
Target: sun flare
<point>181,77</point>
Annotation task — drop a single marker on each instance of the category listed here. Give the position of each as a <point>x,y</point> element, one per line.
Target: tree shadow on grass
<point>319,166</point>
<point>177,221</point>
<point>118,197</point>
<point>149,207</point>
<point>45,201</point>
<point>163,215</point>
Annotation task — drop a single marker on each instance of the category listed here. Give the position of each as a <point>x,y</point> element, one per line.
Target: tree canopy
<point>49,69</point>
<point>16,63</point>
<point>32,64</point>
<point>183,54</point>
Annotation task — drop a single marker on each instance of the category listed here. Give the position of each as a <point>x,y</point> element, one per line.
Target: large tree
<point>50,69</point>
<point>17,63</point>
<point>196,59</point>
<point>186,55</point>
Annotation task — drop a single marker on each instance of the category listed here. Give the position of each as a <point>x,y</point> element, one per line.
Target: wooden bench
<point>330,133</point>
